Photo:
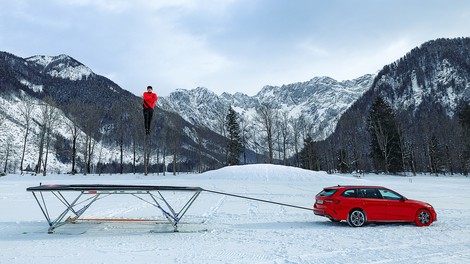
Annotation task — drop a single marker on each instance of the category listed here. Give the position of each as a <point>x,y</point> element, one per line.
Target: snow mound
<point>270,172</point>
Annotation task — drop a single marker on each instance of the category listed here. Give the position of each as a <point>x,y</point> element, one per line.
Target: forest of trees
<point>397,143</point>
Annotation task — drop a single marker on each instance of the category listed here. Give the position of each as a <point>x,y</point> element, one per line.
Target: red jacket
<point>149,100</point>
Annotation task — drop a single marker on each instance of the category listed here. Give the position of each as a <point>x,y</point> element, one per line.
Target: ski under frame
<point>89,194</point>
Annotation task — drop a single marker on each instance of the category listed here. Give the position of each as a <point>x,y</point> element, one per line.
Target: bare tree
<point>42,135</point>
<point>122,118</point>
<point>26,108</point>
<point>384,140</point>
<point>244,131</point>
<point>265,117</point>
<point>51,118</point>
<point>253,135</point>
<point>165,140</point>
<point>137,134</point>
<point>46,119</point>
<point>175,139</point>
<point>8,144</point>
<point>91,122</point>
<point>74,112</point>
<point>277,136</point>
<point>174,128</point>
<point>98,163</point>
<point>298,125</point>
<point>2,121</point>
<point>285,132</point>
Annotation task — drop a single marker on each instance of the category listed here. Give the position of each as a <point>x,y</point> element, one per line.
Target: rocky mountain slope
<point>322,100</point>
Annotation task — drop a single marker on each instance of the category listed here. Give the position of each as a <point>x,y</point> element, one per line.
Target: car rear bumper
<point>324,213</point>
<point>320,212</point>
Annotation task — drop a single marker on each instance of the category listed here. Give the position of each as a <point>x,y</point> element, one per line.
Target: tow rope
<point>259,200</point>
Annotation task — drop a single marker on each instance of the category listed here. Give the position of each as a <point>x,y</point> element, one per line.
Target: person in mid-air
<point>150,99</point>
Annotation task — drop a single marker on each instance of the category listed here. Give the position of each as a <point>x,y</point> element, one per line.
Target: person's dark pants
<point>148,113</point>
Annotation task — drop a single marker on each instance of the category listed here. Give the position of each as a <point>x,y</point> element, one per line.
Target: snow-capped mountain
<point>62,66</point>
<point>60,77</point>
<point>435,73</point>
<point>321,100</point>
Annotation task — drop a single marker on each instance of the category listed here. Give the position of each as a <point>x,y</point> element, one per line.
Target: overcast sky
<point>227,45</point>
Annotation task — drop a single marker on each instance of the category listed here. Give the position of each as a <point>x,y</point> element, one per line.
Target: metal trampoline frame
<point>87,194</point>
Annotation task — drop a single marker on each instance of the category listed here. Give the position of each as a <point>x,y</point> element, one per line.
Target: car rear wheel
<point>423,218</point>
<point>356,218</point>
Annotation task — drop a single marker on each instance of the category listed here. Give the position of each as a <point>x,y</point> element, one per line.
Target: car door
<point>397,207</point>
<point>372,203</point>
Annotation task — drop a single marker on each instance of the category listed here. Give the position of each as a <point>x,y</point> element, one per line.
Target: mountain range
<point>436,74</point>
<point>322,100</point>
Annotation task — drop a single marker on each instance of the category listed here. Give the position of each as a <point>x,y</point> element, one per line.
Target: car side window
<point>389,195</point>
<point>369,193</point>
<point>349,193</point>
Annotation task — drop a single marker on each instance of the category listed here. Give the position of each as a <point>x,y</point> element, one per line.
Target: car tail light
<point>333,201</point>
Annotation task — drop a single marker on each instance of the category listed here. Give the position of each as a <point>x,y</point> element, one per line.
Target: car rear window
<point>327,192</point>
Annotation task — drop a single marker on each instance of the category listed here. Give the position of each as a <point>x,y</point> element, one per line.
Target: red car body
<point>361,204</point>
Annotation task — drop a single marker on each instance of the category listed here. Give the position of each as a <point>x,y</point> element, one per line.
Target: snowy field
<point>224,229</point>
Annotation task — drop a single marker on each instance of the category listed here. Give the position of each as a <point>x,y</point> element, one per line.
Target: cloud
<point>181,59</point>
<point>309,47</point>
<point>120,6</point>
<point>227,45</point>
<point>115,6</point>
<point>149,43</point>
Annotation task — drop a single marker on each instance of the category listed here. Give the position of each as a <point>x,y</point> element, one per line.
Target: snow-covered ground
<point>224,229</point>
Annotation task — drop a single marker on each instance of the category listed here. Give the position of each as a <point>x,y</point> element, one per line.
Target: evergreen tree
<point>385,138</point>
<point>435,155</point>
<point>235,147</point>
<point>308,156</point>
<point>464,116</point>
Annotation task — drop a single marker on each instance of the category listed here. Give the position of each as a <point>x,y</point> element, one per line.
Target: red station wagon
<point>361,204</point>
